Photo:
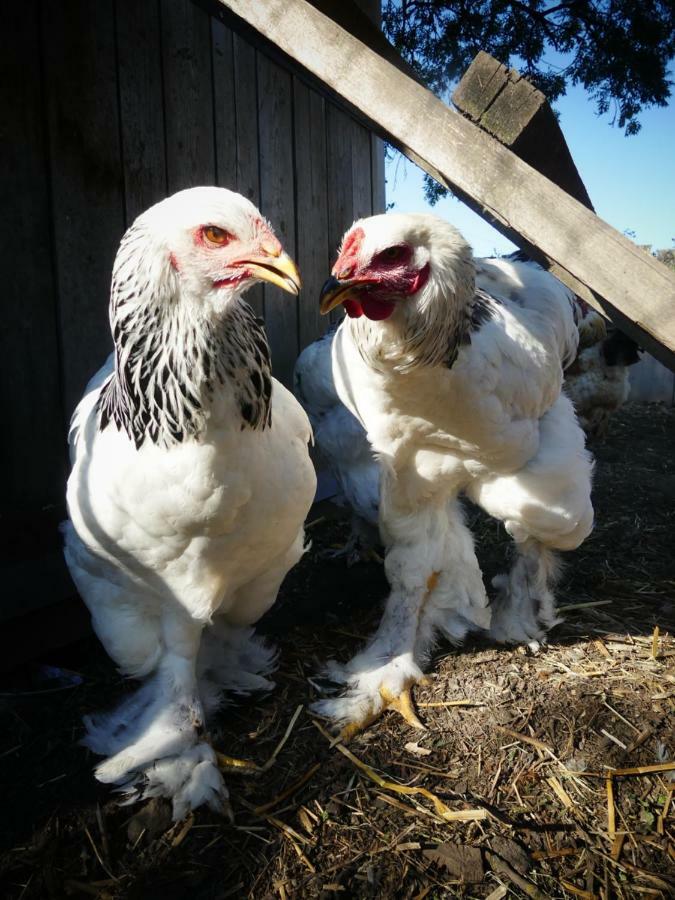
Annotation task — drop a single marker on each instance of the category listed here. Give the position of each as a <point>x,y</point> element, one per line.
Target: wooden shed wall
<point>107,107</point>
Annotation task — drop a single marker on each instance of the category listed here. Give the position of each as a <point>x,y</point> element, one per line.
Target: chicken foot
<point>436,585</point>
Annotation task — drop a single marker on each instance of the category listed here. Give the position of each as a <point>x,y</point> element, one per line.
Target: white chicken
<point>342,445</point>
<point>342,442</point>
<point>458,388</point>
<point>190,483</point>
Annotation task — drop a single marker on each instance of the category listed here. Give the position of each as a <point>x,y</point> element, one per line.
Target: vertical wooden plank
<point>277,202</point>
<point>362,196</point>
<point>225,118</point>
<point>188,94</point>
<point>338,183</point>
<point>32,450</point>
<point>378,181</point>
<point>339,176</point>
<point>248,154</point>
<point>139,54</point>
<point>86,176</point>
<point>311,207</point>
<point>246,100</point>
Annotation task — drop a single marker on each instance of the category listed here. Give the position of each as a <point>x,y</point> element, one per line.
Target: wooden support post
<point>503,103</point>
<point>599,264</point>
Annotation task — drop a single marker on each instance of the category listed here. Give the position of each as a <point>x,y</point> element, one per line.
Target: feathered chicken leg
<point>157,739</point>
<point>545,507</point>
<point>435,584</point>
<point>401,703</point>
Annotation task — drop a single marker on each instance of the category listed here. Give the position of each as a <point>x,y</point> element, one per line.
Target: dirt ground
<point>515,788</point>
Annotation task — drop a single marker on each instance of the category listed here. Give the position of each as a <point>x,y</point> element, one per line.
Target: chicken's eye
<point>393,253</point>
<point>217,236</point>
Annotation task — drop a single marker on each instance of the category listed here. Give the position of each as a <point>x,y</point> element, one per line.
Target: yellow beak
<point>279,270</point>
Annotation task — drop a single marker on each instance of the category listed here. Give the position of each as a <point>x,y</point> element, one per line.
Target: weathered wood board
<point>141,106</point>
<point>85,169</point>
<point>309,123</point>
<point>340,184</point>
<point>246,124</point>
<point>224,104</point>
<point>503,103</point>
<point>597,262</point>
<point>188,95</point>
<point>32,450</point>
<point>277,199</point>
<point>362,198</point>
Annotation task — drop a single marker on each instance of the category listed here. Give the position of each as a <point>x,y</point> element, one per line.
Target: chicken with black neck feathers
<point>190,484</point>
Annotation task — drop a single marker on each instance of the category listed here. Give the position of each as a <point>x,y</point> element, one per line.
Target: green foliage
<point>618,50</point>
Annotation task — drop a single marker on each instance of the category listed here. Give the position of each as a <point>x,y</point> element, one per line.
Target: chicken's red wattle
<point>374,309</point>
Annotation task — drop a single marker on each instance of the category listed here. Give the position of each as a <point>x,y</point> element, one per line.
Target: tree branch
<point>535,14</point>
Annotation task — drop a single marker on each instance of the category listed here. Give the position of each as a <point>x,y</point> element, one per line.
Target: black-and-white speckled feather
<point>170,357</point>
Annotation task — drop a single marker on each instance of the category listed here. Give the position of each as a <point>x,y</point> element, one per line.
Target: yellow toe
<point>232,763</point>
<point>401,703</point>
<point>351,729</point>
<point>404,707</point>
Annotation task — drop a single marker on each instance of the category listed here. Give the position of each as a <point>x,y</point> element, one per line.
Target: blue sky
<point>631,180</point>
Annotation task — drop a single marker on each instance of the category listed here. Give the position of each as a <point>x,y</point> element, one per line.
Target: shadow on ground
<point>517,747</point>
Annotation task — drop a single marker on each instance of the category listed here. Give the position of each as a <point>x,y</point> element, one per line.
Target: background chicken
<point>598,382</point>
<point>341,445</point>
<point>459,390</point>
<point>190,483</point>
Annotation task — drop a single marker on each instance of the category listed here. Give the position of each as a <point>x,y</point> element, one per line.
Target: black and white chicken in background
<point>456,378</point>
<point>598,382</point>
<point>190,483</point>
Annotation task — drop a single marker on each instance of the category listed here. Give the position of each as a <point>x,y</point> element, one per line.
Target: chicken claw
<point>231,763</point>
<point>401,703</point>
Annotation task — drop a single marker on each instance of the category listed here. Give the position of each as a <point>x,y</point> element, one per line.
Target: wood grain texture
<point>362,194</point>
<point>224,113</point>
<point>377,177</point>
<point>339,184</point>
<point>32,450</point>
<point>188,95</point>
<point>373,9</point>
<point>248,152</point>
<point>277,203</point>
<point>86,177</point>
<point>480,85</point>
<point>503,103</point>
<point>600,264</point>
<point>139,56</point>
<point>309,125</point>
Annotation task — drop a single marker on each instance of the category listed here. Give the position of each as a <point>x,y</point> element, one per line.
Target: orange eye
<point>217,236</point>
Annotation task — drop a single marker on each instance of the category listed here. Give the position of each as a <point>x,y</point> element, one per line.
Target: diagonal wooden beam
<point>504,103</point>
<point>601,265</point>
